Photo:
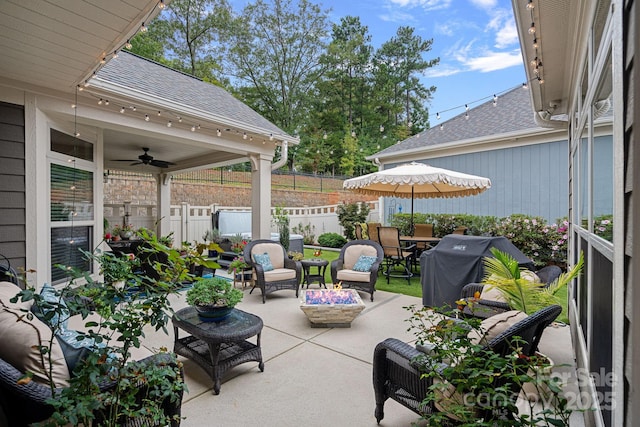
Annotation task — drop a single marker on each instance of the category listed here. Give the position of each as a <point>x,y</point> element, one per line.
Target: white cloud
<point>398,16</point>
<point>493,61</point>
<point>442,71</point>
<point>504,26</point>
<point>424,4</point>
<point>484,4</point>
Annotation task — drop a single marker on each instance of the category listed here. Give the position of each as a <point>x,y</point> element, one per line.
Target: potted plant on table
<point>212,239</point>
<point>214,298</point>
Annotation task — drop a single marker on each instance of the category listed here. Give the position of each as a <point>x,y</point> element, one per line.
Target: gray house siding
<point>531,179</point>
<point>12,184</point>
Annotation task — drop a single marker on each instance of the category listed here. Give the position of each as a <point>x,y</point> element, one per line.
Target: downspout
<point>283,156</point>
<point>541,118</point>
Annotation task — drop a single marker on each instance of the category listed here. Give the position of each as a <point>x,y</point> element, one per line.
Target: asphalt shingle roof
<point>142,75</point>
<point>513,112</point>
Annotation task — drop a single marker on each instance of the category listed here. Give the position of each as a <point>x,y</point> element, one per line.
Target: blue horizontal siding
<point>531,180</point>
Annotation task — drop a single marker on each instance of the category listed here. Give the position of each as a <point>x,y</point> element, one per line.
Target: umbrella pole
<point>411,227</point>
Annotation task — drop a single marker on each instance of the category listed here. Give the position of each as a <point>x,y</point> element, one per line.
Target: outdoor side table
<point>309,277</point>
<point>218,346</point>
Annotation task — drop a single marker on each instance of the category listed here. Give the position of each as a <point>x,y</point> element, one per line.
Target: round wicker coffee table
<point>218,346</point>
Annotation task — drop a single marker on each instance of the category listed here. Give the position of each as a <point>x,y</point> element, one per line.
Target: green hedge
<point>543,243</point>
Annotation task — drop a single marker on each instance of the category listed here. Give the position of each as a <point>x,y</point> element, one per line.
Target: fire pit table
<point>331,308</point>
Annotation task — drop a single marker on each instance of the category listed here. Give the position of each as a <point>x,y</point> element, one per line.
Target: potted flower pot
<point>213,298</point>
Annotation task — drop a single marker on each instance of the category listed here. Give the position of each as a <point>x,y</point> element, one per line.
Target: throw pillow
<point>364,263</point>
<point>492,293</point>
<point>75,350</point>
<point>264,261</point>
<point>493,326</point>
<point>52,310</point>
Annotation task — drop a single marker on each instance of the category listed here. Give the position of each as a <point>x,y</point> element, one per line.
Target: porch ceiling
<point>58,43</point>
<point>555,21</point>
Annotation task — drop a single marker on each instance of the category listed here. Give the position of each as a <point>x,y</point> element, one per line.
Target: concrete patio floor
<point>313,376</point>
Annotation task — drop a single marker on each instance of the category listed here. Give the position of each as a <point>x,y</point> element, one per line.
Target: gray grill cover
<point>456,261</point>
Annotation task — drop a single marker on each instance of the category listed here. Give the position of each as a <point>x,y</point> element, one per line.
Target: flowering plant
<point>238,243</point>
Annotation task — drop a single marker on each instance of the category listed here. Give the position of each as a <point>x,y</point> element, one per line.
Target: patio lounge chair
<point>345,269</point>
<point>272,268</point>
<point>397,375</point>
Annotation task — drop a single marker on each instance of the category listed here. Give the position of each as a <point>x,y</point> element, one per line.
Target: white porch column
<point>163,183</point>
<point>260,197</point>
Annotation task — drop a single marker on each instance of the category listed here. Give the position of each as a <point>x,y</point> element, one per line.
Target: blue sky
<point>476,41</point>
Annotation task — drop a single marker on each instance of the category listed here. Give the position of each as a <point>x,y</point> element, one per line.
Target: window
<point>71,203</point>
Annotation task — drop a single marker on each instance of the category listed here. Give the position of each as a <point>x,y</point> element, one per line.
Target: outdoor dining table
<point>431,241</point>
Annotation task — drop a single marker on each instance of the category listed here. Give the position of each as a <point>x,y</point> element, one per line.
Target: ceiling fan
<point>147,159</point>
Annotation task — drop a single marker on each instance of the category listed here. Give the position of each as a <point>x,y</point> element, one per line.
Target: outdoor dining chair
<point>398,258</point>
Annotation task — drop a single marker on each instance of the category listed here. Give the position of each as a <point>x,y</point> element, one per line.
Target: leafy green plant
<point>348,215</point>
<point>331,240</point>
<point>307,231</point>
<point>237,265</point>
<point>281,220</point>
<point>296,256</point>
<point>503,273</point>
<point>214,291</point>
<point>116,267</point>
<point>125,311</point>
<point>470,381</point>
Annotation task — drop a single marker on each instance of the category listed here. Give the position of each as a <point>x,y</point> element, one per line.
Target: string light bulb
<point>106,102</point>
<point>466,115</point>
<point>540,80</point>
<point>169,124</point>
<point>441,126</point>
<point>193,128</point>
<point>128,45</point>
<point>244,135</point>
<point>270,137</point>
<point>218,131</point>
<point>525,85</point>
<point>466,107</point>
<point>143,28</point>
<point>535,42</point>
<point>115,54</point>
<point>530,5</point>
<point>159,113</point>
<point>103,60</point>
<point>438,115</point>
<point>381,128</point>
<point>121,110</point>
<point>534,61</point>
<point>146,118</point>
<point>495,100</point>
<point>161,5</point>
<point>532,28</point>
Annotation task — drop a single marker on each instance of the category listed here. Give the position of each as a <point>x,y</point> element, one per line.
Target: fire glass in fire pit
<point>331,308</point>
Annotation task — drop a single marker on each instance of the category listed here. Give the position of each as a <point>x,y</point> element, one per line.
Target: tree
<point>272,56</point>
<point>397,64</point>
<point>186,37</point>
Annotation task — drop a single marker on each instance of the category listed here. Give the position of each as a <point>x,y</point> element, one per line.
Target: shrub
<point>308,233</point>
<point>332,240</point>
<point>350,214</point>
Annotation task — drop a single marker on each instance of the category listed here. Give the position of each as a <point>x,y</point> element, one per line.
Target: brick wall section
<point>140,190</point>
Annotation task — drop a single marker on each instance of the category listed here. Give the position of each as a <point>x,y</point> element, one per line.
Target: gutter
<point>284,156</point>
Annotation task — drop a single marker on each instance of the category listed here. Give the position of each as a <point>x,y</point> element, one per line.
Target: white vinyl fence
<point>189,223</point>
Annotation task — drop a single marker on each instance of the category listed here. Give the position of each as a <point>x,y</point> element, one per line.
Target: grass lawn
<point>400,286</point>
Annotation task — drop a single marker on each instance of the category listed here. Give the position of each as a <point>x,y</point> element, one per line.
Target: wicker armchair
<point>24,404</point>
<point>342,268</point>
<point>286,273</point>
<point>397,376</point>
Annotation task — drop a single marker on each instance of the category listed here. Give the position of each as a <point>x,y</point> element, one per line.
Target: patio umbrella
<point>418,180</point>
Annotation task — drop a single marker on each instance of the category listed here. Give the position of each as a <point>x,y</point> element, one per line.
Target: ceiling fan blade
<point>161,163</point>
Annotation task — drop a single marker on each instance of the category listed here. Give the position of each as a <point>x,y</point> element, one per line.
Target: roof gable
<point>513,112</point>
<point>140,75</point>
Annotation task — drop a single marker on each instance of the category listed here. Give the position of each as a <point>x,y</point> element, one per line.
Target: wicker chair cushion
<point>21,336</point>
<point>495,325</point>
<point>274,250</point>
<point>353,253</point>
<point>491,293</point>
<point>264,260</point>
<point>353,276</point>
<point>364,263</point>
<point>279,274</point>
